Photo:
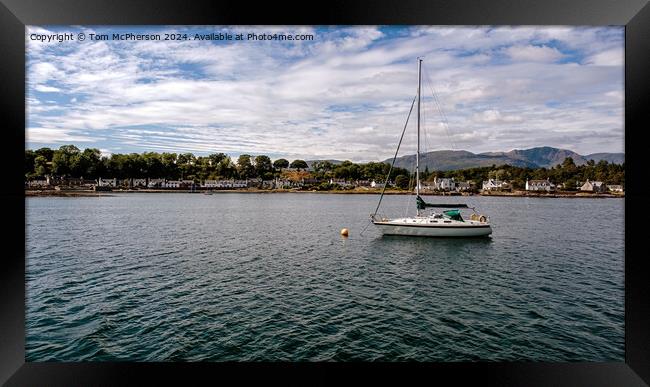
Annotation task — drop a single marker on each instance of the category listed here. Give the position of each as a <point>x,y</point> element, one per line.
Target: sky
<point>344,95</point>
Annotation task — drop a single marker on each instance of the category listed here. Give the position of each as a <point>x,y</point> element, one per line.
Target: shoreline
<point>91,193</point>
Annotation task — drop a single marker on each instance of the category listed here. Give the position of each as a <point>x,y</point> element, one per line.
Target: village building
<point>463,186</point>
<point>37,183</point>
<point>239,184</point>
<point>340,182</point>
<point>286,183</point>
<point>254,182</point>
<point>375,184</point>
<point>615,188</point>
<point>138,183</point>
<point>107,182</point>
<point>155,183</point>
<point>363,183</point>
<point>268,183</point>
<point>209,184</point>
<point>310,180</point>
<point>171,184</point>
<point>539,185</point>
<point>593,186</point>
<point>444,184</point>
<point>495,185</point>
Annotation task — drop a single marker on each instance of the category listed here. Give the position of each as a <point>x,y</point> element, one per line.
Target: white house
<point>138,183</point>
<point>363,183</point>
<point>38,183</point>
<point>593,186</point>
<point>374,184</point>
<point>209,184</point>
<point>494,185</point>
<point>107,182</point>
<point>171,184</point>
<point>156,183</point>
<point>340,182</point>
<point>615,188</point>
<point>539,185</point>
<point>444,184</point>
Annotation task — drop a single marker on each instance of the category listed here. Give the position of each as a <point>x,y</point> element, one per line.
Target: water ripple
<point>267,277</point>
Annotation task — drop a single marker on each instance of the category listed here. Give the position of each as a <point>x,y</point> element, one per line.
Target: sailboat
<point>443,223</point>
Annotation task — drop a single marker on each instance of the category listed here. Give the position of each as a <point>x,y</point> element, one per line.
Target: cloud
<point>495,117</point>
<point>614,57</point>
<point>533,53</point>
<point>55,135</point>
<point>354,84</point>
<point>46,89</point>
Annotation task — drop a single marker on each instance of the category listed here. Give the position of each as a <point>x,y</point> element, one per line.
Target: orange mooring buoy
<point>344,232</point>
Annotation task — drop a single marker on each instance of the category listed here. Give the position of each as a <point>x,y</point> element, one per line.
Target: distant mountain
<point>446,160</point>
<point>614,158</point>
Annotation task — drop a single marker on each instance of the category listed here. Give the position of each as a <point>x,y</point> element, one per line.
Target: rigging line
<point>365,228</point>
<point>426,138</point>
<point>442,112</point>
<point>411,188</point>
<point>411,175</point>
<point>395,157</point>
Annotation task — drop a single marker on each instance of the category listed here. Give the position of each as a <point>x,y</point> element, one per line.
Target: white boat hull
<point>473,229</point>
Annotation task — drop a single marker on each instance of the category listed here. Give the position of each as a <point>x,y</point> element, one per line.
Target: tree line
<point>567,173</point>
<point>70,161</point>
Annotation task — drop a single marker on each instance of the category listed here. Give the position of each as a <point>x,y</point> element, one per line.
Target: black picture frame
<point>15,14</point>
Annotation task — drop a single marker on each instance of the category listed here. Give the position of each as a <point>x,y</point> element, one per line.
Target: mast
<point>417,154</point>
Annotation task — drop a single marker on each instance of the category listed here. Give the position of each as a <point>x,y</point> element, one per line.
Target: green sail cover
<point>454,214</point>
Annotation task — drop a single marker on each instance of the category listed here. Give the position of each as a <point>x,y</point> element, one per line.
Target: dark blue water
<point>157,277</point>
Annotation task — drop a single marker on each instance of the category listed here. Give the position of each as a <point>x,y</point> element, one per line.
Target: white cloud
<point>533,53</point>
<point>614,57</point>
<point>55,135</point>
<point>46,89</point>
<point>345,95</point>
<point>495,117</point>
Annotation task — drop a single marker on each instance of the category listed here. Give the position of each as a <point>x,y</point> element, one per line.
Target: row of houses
<point>438,184</point>
<point>187,183</point>
<point>449,184</point>
<point>587,186</point>
<point>357,183</point>
<point>599,186</point>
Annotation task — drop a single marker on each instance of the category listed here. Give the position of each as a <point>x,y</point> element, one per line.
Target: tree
<point>426,173</point>
<point>216,158</point>
<point>65,160</point>
<point>185,163</point>
<point>88,164</point>
<point>263,166</point>
<point>45,152</point>
<point>299,164</point>
<point>402,181</point>
<point>281,164</point>
<point>40,166</point>
<point>30,157</point>
<point>226,168</point>
<point>568,163</point>
<point>245,167</point>
<point>170,169</point>
<point>153,165</point>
